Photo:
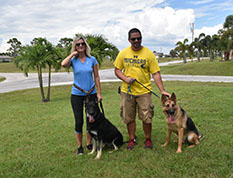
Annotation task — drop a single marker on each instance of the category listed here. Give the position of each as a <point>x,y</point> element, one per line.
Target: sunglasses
<point>79,44</point>
<point>134,39</point>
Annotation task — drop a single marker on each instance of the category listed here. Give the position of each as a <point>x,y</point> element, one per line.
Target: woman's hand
<point>99,96</point>
<point>74,54</point>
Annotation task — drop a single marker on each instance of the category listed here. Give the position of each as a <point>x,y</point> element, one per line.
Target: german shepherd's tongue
<point>172,120</point>
<point>91,119</point>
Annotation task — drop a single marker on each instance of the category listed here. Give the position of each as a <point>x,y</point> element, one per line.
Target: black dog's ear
<point>173,97</point>
<point>163,99</point>
<point>86,100</point>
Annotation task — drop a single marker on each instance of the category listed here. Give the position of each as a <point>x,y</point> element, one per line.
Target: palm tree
<point>182,47</point>
<point>227,43</point>
<point>191,49</point>
<point>101,48</point>
<point>39,55</point>
<point>216,45</point>
<point>208,44</point>
<point>220,43</point>
<point>198,45</point>
<point>227,37</point>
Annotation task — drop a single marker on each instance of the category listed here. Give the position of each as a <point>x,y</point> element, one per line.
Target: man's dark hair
<point>133,30</point>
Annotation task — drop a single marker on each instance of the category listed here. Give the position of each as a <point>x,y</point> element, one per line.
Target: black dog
<point>101,129</point>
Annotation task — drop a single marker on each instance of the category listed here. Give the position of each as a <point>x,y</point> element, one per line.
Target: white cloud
<point>54,19</point>
<point>208,30</point>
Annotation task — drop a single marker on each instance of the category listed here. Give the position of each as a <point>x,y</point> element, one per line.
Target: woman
<point>84,66</point>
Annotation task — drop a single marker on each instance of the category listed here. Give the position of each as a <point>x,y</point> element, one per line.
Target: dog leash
<point>102,108</point>
<point>129,91</point>
<point>130,83</point>
<point>147,88</point>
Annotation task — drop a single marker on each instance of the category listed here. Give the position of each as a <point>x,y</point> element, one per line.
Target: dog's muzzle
<point>91,119</point>
<point>171,115</point>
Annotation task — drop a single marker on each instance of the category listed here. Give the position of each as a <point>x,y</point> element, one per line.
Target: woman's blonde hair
<point>88,49</point>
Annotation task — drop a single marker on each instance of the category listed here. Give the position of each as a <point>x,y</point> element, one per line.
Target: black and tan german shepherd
<point>102,131</point>
<point>180,123</point>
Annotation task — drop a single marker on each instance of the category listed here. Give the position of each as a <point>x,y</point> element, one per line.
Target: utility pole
<point>192,29</point>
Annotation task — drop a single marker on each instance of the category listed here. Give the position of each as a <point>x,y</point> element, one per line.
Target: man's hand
<point>129,80</point>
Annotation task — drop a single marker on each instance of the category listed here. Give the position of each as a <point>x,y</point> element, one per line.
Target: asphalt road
<point>17,81</point>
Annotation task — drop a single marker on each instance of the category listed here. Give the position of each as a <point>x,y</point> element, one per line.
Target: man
<point>137,62</point>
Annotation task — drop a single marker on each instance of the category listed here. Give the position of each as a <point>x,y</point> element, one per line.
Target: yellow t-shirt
<point>139,65</point>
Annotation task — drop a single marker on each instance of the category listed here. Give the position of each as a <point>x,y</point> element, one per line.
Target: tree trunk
<point>222,55</point>
<point>49,83</point>
<point>184,59</point>
<point>226,55</point>
<point>198,56</point>
<point>211,56</point>
<point>191,57</point>
<point>40,78</point>
<point>231,53</point>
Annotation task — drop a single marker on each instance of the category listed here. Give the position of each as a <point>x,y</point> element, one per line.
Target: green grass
<point>106,64</point>
<point>168,59</point>
<point>216,68</point>
<point>37,139</point>
<point>9,67</point>
<point>2,79</point>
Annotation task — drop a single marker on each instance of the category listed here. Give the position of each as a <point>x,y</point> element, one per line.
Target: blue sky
<point>162,22</point>
<point>207,12</point>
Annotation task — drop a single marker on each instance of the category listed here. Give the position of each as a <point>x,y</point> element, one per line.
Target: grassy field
<point>37,139</point>
<point>204,67</point>
<point>6,67</point>
<point>216,68</point>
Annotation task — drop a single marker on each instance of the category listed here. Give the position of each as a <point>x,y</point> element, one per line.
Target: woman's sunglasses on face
<point>79,44</point>
<point>134,39</point>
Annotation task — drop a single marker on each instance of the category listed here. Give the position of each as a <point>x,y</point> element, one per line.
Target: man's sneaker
<point>89,147</point>
<point>80,150</point>
<point>132,143</point>
<point>148,143</point>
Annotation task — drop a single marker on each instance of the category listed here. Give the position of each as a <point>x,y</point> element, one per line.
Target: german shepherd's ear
<point>173,97</point>
<point>163,99</point>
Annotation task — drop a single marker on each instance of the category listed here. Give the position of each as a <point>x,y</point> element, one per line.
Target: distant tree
<point>65,43</point>
<point>208,43</point>
<point>15,46</point>
<point>216,45</point>
<point>182,48</point>
<point>228,22</point>
<point>227,43</point>
<point>227,37</point>
<point>63,48</point>
<point>220,45</point>
<point>199,45</point>
<point>190,49</point>
<point>173,53</point>
<point>4,54</point>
